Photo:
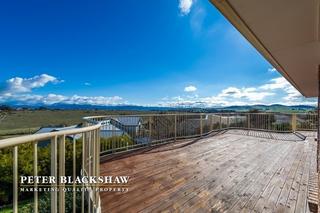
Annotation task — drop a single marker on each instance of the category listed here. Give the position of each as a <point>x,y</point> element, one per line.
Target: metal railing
<point>88,137</point>
<point>121,133</point>
<point>104,135</point>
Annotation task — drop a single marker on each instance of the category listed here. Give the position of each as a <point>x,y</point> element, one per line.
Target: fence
<point>127,132</point>
<point>56,142</point>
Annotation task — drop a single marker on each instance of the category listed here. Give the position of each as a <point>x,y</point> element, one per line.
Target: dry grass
<point>29,121</point>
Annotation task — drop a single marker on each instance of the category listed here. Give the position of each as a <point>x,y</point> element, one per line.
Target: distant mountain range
<point>265,108</point>
<point>270,108</point>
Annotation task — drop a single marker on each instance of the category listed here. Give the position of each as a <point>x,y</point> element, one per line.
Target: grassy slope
<point>26,122</point>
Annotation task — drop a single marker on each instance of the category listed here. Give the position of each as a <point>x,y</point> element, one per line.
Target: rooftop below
<point>232,171</point>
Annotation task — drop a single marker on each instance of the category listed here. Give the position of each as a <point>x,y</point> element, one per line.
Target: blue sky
<point>159,53</point>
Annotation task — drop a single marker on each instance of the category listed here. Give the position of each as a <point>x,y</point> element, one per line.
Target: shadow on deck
<point>235,171</point>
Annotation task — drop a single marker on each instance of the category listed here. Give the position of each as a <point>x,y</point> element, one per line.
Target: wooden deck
<point>225,173</point>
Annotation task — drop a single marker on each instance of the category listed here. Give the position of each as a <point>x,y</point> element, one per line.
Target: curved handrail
<point>57,154</point>
<point>43,136</point>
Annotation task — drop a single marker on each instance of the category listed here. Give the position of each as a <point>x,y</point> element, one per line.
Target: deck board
<point>227,172</point>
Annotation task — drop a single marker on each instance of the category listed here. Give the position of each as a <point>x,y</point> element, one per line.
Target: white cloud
<point>292,97</point>
<point>87,84</point>
<point>272,69</point>
<point>276,91</point>
<point>52,99</point>
<point>24,85</point>
<point>227,97</point>
<point>61,99</point>
<point>201,102</point>
<point>190,88</point>
<point>249,93</point>
<point>276,83</point>
<point>94,100</point>
<point>19,90</point>
<point>185,6</point>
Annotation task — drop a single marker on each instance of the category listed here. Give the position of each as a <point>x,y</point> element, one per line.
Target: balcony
<point>206,162</point>
<point>228,171</point>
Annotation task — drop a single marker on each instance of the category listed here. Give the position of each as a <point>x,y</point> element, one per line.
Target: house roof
<point>53,129</point>
<point>129,121</point>
<point>45,130</point>
<point>285,32</point>
<point>107,126</point>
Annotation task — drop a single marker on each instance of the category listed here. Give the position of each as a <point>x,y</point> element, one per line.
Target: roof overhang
<point>285,32</point>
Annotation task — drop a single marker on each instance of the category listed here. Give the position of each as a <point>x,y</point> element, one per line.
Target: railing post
<point>35,173</point>
<point>248,120</point>
<point>201,125</point>
<point>74,173</point>
<point>150,135</point>
<point>220,122</point>
<point>15,179</point>
<point>97,172</point>
<point>90,163</point>
<point>175,127</point>
<point>211,125</point>
<point>228,121</point>
<point>294,122</point>
<point>61,173</point>
<point>94,167</point>
<point>83,168</point>
<point>54,195</point>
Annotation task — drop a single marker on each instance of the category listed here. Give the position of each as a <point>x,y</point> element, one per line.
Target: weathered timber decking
<point>224,173</point>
